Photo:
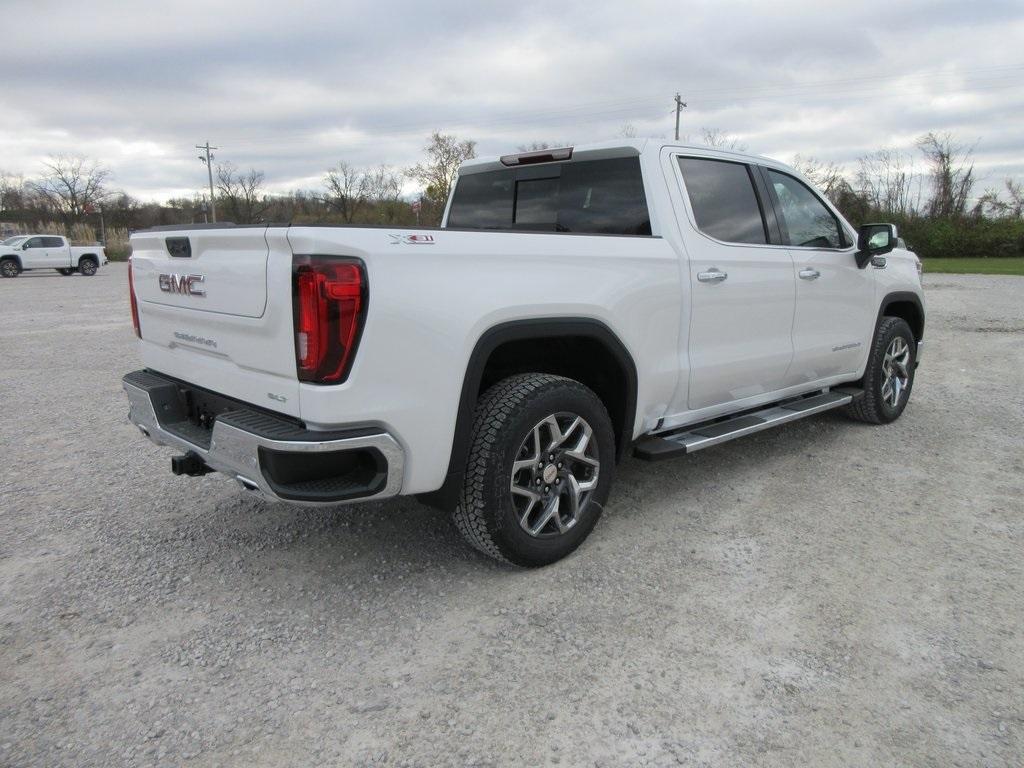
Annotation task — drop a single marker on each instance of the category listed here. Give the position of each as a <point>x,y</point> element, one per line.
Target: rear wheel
<point>539,471</point>
<point>66,271</point>
<point>88,266</point>
<point>9,268</point>
<point>889,376</point>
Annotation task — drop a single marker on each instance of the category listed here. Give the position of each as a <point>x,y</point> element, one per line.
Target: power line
<point>837,89</point>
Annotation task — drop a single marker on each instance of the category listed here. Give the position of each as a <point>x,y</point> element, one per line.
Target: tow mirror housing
<point>875,240</point>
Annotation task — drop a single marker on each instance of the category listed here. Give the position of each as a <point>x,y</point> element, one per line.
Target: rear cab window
<point>724,200</point>
<point>598,197</point>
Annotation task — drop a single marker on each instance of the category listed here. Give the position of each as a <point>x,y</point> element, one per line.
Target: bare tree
<point>952,174</point>
<point>383,185</point>
<point>346,190</point>
<point>445,153</point>
<point>889,182</point>
<point>992,203</point>
<point>719,139</point>
<point>72,185</point>
<point>13,195</point>
<point>825,175</point>
<point>241,194</point>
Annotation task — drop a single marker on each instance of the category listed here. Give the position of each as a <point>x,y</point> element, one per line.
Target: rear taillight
<point>135,304</point>
<point>329,303</point>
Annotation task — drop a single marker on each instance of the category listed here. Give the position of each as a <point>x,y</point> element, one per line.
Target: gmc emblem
<point>190,285</point>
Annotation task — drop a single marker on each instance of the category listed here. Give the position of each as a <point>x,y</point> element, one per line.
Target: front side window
<point>35,242</point>
<point>723,200</point>
<point>805,219</point>
<point>600,197</point>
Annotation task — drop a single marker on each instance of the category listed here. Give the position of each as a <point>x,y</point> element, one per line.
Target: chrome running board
<point>692,438</point>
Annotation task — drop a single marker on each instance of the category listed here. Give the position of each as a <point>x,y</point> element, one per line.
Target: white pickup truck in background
<point>576,305</point>
<point>25,252</point>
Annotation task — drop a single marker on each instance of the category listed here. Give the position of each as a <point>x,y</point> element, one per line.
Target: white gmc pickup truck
<point>575,305</point>
<point>23,252</point>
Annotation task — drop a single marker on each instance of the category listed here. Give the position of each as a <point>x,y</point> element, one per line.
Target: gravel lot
<point>824,594</point>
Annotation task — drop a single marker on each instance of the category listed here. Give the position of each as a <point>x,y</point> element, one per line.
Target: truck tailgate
<point>215,310</point>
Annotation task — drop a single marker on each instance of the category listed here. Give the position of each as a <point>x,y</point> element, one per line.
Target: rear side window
<point>805,219</point>
<point>600,197</point>
<point>723,200</point>
<point>53,242</point>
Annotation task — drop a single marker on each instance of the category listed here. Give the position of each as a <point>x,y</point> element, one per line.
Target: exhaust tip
<point>247,484</point>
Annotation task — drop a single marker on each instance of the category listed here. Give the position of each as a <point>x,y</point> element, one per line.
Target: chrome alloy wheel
<point>554,473</point>
<point>9,269</point>
<point>895,371</point>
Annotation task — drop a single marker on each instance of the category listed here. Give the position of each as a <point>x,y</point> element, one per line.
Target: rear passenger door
<point>57,253</point>
<point>835,306</point>
<point>742,285</point>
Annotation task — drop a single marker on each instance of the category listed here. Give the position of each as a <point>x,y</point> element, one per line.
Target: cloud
<point>293,89</point>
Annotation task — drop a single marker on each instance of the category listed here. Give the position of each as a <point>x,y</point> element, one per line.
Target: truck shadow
<point>423,538</point>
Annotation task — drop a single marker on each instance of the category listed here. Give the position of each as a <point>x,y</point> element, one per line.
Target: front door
<point>742,287</point>
<point>835,307</point>
<point>35,254</point>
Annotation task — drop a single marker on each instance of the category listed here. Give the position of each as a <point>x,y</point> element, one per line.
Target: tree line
<point>930,193</point>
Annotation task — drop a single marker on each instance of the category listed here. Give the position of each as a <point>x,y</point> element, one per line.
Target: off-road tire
<point>872,407</point>
<point>505,414</point>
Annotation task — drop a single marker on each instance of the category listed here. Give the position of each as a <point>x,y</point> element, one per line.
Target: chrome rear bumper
<point>243,442</point>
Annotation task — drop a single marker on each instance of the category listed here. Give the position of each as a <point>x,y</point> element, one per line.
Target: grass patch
<point>1001,266</point>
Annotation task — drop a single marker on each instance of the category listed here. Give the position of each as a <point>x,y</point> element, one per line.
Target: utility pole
<point>679,108</point>
<point>208,159</point>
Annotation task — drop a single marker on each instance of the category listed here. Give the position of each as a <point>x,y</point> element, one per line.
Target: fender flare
<point>518,330</point>
<point>14,257</point>
<point>902,296</point>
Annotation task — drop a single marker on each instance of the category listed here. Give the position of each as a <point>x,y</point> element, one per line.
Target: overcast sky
<point>292,88</point>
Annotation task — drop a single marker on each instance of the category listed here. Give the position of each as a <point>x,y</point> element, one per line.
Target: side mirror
<point>875,240</point>
<point>24,246</point>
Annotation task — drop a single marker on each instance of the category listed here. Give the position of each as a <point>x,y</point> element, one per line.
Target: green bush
<point>966,238</point>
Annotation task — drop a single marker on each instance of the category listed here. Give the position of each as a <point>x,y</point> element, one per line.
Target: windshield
<point>17,240</point>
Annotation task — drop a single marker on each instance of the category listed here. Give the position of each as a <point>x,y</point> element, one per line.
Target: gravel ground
<point>824,594</point>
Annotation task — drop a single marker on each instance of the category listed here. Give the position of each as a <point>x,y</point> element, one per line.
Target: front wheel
<point>540,468</point>
<point>9,268</point>
<point>889,376</point>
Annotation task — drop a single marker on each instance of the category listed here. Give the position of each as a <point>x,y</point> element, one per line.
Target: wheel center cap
<point>550,473</point>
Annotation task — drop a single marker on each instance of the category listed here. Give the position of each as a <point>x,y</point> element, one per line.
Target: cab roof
<point>603,150</point>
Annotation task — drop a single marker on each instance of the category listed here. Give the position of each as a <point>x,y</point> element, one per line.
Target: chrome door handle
<point>711,276</point>
<point>809,274</point>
